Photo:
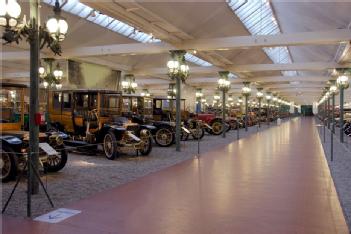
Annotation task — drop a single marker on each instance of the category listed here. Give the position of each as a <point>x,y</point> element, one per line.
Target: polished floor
<point>275,181</point>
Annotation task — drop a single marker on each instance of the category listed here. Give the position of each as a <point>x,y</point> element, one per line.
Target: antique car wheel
<point>7,164</point>
<point>217,128</point>
<point>184,136</point>
<point>147,146</point>
<point>57,162</point>
<point>164,137</point>
<point>110,146</point>
<point>198,133</point>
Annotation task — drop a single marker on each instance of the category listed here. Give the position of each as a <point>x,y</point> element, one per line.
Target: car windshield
<point>10,99</point>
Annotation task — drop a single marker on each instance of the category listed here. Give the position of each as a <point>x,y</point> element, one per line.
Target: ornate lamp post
<point>224,86</point>
<point>179,71</point>
<point>38,37</point>
<point>198,95</point>
<point>327,95</point>
<point>332,90</point>
<point>259,96</point>
<point>342,83</point>
<point>268,98</point>
<point>129,85</point>
<point>50,77</point>
<point>246,91</point>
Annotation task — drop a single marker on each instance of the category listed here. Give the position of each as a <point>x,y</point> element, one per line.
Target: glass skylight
<point>196,60</point>
<point>258,18</point>
<point>77,8</point>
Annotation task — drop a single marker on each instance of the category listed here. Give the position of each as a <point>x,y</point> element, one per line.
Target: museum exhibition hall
<point>175,116</point>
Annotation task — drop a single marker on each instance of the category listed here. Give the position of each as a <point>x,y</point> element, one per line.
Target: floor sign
<point>57,216</point>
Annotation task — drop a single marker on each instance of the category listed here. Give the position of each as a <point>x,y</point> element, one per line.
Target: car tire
<point>110,145</point>
<point>8,164</point>
<point>216,129</point>
<point>164,137</point>
<point>147,149</point>
<point>184,136</point>
<point>198,135</point>
<point>57,162</point>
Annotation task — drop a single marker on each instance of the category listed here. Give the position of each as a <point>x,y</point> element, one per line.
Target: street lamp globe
<point>177,67</point>
<point>343,81</point>
<point>58,73</point>
<point>198,93</point>
<point>246,90</point>
<point>268,96</point>
<point>41,71</point>
<point>10,11</point>
<point>57,25</point>
<point>333,89</point>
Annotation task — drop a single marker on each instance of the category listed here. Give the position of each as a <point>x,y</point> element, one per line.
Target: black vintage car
<point>141,110</point>
<point>14,141</point>
<point>93,117</point>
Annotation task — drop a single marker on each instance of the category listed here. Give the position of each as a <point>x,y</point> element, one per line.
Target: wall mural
<point>92,76</point>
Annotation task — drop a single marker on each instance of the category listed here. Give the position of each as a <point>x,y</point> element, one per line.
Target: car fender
<point>148,127</point>
<point>215,119</point>
<point>117,130</point>
<point>10,140</point>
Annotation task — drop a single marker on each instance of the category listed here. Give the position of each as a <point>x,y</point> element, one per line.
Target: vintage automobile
<point>140,109</point>
<point>15,141</point>
<point>94,117</point>
<point>214,122</point>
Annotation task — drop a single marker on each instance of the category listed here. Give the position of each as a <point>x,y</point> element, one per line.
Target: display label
<point>57,216</point>
<point>48,149</point>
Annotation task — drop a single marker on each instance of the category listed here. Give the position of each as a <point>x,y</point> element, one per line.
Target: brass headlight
<point>144,133</point>
<point>59,140</point>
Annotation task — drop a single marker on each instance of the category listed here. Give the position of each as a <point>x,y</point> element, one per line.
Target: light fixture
<point>198,93</point>
<point>128,84</point>
<point>58,73</point>
<point>246,90</point>
<point>343,81</point>
<point>223,82</point>
<point>48,76</point>
<point>10,12</point>
<point>57,25</point>
<point>259,94</point>
<point>216,96</point>
<point>268,96</point>
<point>177,67</point>
<point>230,98</point>
<point>333,89</point>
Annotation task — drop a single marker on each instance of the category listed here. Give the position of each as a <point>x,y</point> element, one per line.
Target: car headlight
<point>59,140</point>
<point>144,133</point>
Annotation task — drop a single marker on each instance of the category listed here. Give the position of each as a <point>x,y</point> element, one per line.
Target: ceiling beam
<point>289,39</point>
<point>286,67</point>
<point>289,78</point>
<point>223,43</point>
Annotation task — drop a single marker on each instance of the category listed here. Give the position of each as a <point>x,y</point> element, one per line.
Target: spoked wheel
<point>184,136</point>
<point>164,137</point>
<point>110,146</point>
<point>147,146</point>
<point>7,164</point>
<point>217,128</point>
<point>198,133</point>
<point>56,162</point>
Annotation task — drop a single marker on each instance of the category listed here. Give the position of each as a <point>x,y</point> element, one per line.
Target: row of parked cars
<point>86,119</point>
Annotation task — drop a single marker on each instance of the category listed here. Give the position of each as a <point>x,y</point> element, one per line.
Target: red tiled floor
<point>276,181</point>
